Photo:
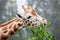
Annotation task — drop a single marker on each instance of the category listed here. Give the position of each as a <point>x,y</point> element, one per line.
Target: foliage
<point>41,33</point>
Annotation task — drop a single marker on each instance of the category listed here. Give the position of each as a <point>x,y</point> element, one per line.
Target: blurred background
<point>49,9</point>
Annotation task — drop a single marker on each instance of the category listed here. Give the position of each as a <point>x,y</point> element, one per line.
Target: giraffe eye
<point>19,15</point>
<point>29,17</point>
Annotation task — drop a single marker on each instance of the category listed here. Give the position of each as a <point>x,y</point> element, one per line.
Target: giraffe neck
<point>2,25</point>
<point>10,28</point>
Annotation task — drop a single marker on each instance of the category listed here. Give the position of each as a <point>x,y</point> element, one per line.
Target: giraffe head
<point>31,15</point>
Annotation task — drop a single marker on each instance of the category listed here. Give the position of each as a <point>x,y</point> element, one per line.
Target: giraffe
<point>28,18</point>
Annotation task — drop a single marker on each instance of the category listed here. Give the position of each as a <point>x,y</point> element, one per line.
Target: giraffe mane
<point>6,23</point>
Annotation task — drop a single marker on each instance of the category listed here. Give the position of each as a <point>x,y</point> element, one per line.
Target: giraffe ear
<point>24,8</point>
<point>29,7</point>
<point>19,15</point>
<point>33,12</point>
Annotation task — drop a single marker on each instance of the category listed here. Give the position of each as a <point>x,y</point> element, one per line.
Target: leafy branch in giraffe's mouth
<point>41,32</point>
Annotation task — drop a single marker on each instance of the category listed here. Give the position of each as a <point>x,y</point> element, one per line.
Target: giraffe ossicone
<point>28,18</point>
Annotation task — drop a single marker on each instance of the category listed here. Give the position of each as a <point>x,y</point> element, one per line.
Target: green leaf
<point>41,32</point>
